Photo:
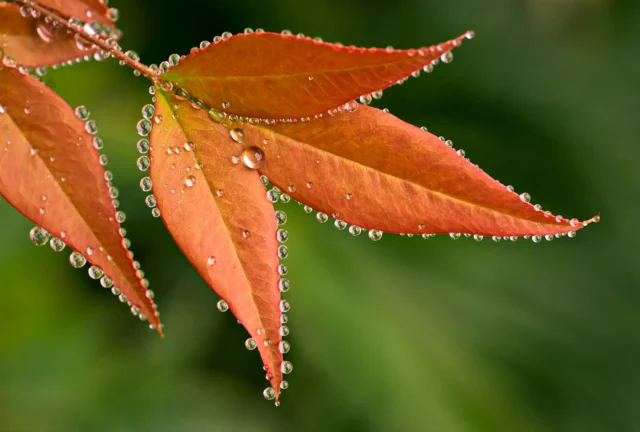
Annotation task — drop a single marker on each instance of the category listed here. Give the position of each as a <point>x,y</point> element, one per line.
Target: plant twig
<point>94,39</point>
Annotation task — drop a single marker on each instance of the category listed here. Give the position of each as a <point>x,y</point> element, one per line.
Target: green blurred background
<point>400,335</point>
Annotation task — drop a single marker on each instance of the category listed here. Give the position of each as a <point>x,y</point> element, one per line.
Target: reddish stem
<point>94,39</point>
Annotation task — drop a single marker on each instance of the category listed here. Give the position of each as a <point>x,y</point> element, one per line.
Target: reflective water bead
<point>282,235</point>
<point>222,306</point>
<point>106,282</point>
<point>82,112</point>
<point>478,237</point>
<point>103,160</point>
<point>77,260</point>
<point>284,306</point>
<point>174,59</point>
<point>284,285</point>
<point>190,181</point>
<point>307,209</point>
<point>549,237</point>
<point>253,157</point>
<point>56,244</point>
<point>322,217</point>
<point>148,111</point>
<point>525,197</point>
<point>281,217</point>
<point>283,319</point>
<point>375,235</point>
<point>204,44</point>
<point>95,272</point>
<point>284,331</point>
<point>340,224</point>
<point>284,347</point>
<point>189,146</point>
<point>283,269</point>
<point>537,207</point>
<point>571,234</point>
<point>286,367</point>
<point>98,143</point>
<point>283,252</point>
<point>91,127</point>
<point>237,135</point>
<point>511,188</point>
<point>284,198</point>
<point>181,94</point>
<point>39,236</point>
<point>536,238</point>
<point>496,238</point>
<point>155,212</point>
<point>143,145</point>
<point>355,230</point>
<point>144,127</point>
<point>454,236</point>
<point>250,344</point>
<point>145,184</point>
<point>447,57</point>
<point>143,163</point>
<point>150,201</point>
<point>264,180</point>
<point>284,385</point>
<point>121,216</point>
<point>269,393</point>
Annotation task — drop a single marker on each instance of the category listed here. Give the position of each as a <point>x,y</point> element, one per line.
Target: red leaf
<point>373,170</point>
<point>85,10</point>
<point>218,215</point>
<point>269,75</point>
<point>34,42</point>
<point>50,172</point>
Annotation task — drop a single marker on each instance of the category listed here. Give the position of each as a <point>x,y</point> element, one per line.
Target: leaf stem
<point>94,39</point>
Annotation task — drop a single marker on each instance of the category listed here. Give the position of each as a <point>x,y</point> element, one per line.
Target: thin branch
<point>94,39</point>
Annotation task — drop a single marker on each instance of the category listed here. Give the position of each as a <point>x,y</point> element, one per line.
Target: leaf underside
<point>219,216</point>
<point>275,76</point>
<point>50,172</point>
<point>19,38</point>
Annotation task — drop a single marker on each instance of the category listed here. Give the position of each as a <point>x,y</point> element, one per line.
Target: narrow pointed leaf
<point>371,169</point>
<point>219,216</point>
<point>33,43</point>
<point>274,76</point>
<point>50,172</point>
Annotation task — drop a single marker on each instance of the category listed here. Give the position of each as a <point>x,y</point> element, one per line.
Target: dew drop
<point>322,217</point>
<point>525,197</point>
<point>77,260</point>
<point>281,217</point>
<point>39,236</point>
<point>284,285</point>
<point>237,135</point>
<point>269,393</point>
<point>253,157</point>
<point>211,260</point>
<point>222,306</point>
<point>95,272</point>
<point>250,344</point>
<point>375,235</point>
<point>284,306</point>
<point>355,230</point>
<point>190,181</point>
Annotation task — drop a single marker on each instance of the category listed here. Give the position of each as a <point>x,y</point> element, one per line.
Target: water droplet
<point>39,236</point>
<point>355,230</point>
<point>284,285</point>
<point>237,135</point>
<point>284,385</point>
<point>307,209</point>
<point>121,216</point>
<point>155,212</point>
<point>286,367</point>
<point>95,272</point>
<point>478,237</point>
<point>269,393</point>
<point>282,235</point>
<point>150,201</point>
<point>82,112</point>
<point>340,224</point>
<point>536,238</point>
<point>250,344</point>
<point>148,111</point>
<point>222,306</point>
<point>225,105</point>
<point>322,217</point>
<point>525,197</point>
<point>447,57</point>
<point>174,59</point>
<point>91,127</point>
<point>281,217</point>
<point>284,198</point>
<point>190,181</point>
<point>283,252</point>
<point>189,146</point>
<point>375,235</point>
<point>143,163</point>
<point>284,306</point>
<point>284,347</point>
<point>56,244</point>
<point>571,234</point>
<point>144,127</point>
<point>253,157</point>
<point>283,269</point>
<point>145,184</point>
<point>77,260</point>
<point>537,207</point>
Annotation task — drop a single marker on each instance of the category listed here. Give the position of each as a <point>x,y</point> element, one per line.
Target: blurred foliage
<point>400,335</point>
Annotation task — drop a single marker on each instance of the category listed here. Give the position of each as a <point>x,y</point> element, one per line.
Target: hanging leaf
<point>275,76</point>
<point>371,169</point>
<point>218,215</point>
<point>38,42</point>
<point>52,174</point>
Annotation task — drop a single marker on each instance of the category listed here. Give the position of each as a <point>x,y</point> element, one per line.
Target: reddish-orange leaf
<point>274,76</point>
<point>35,42</point>
<point>217,213</point>
<point>85,10</point>
<point>50,172</point>
<point>371,169</point>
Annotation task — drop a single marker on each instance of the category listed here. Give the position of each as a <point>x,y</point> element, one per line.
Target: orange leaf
<point>50,172</point>
<point>85,10</point>
<point>34,42</point>
<point>218,215</point>
<point>274,76</point>
<point>373,170</point>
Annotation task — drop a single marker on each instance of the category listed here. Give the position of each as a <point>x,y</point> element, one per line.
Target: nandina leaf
<point>371,169</point>
<point>50,172</point>
<point>34,42</point>
<point>218,215</point>
<point>269,75</point>
<point>85,10</point>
